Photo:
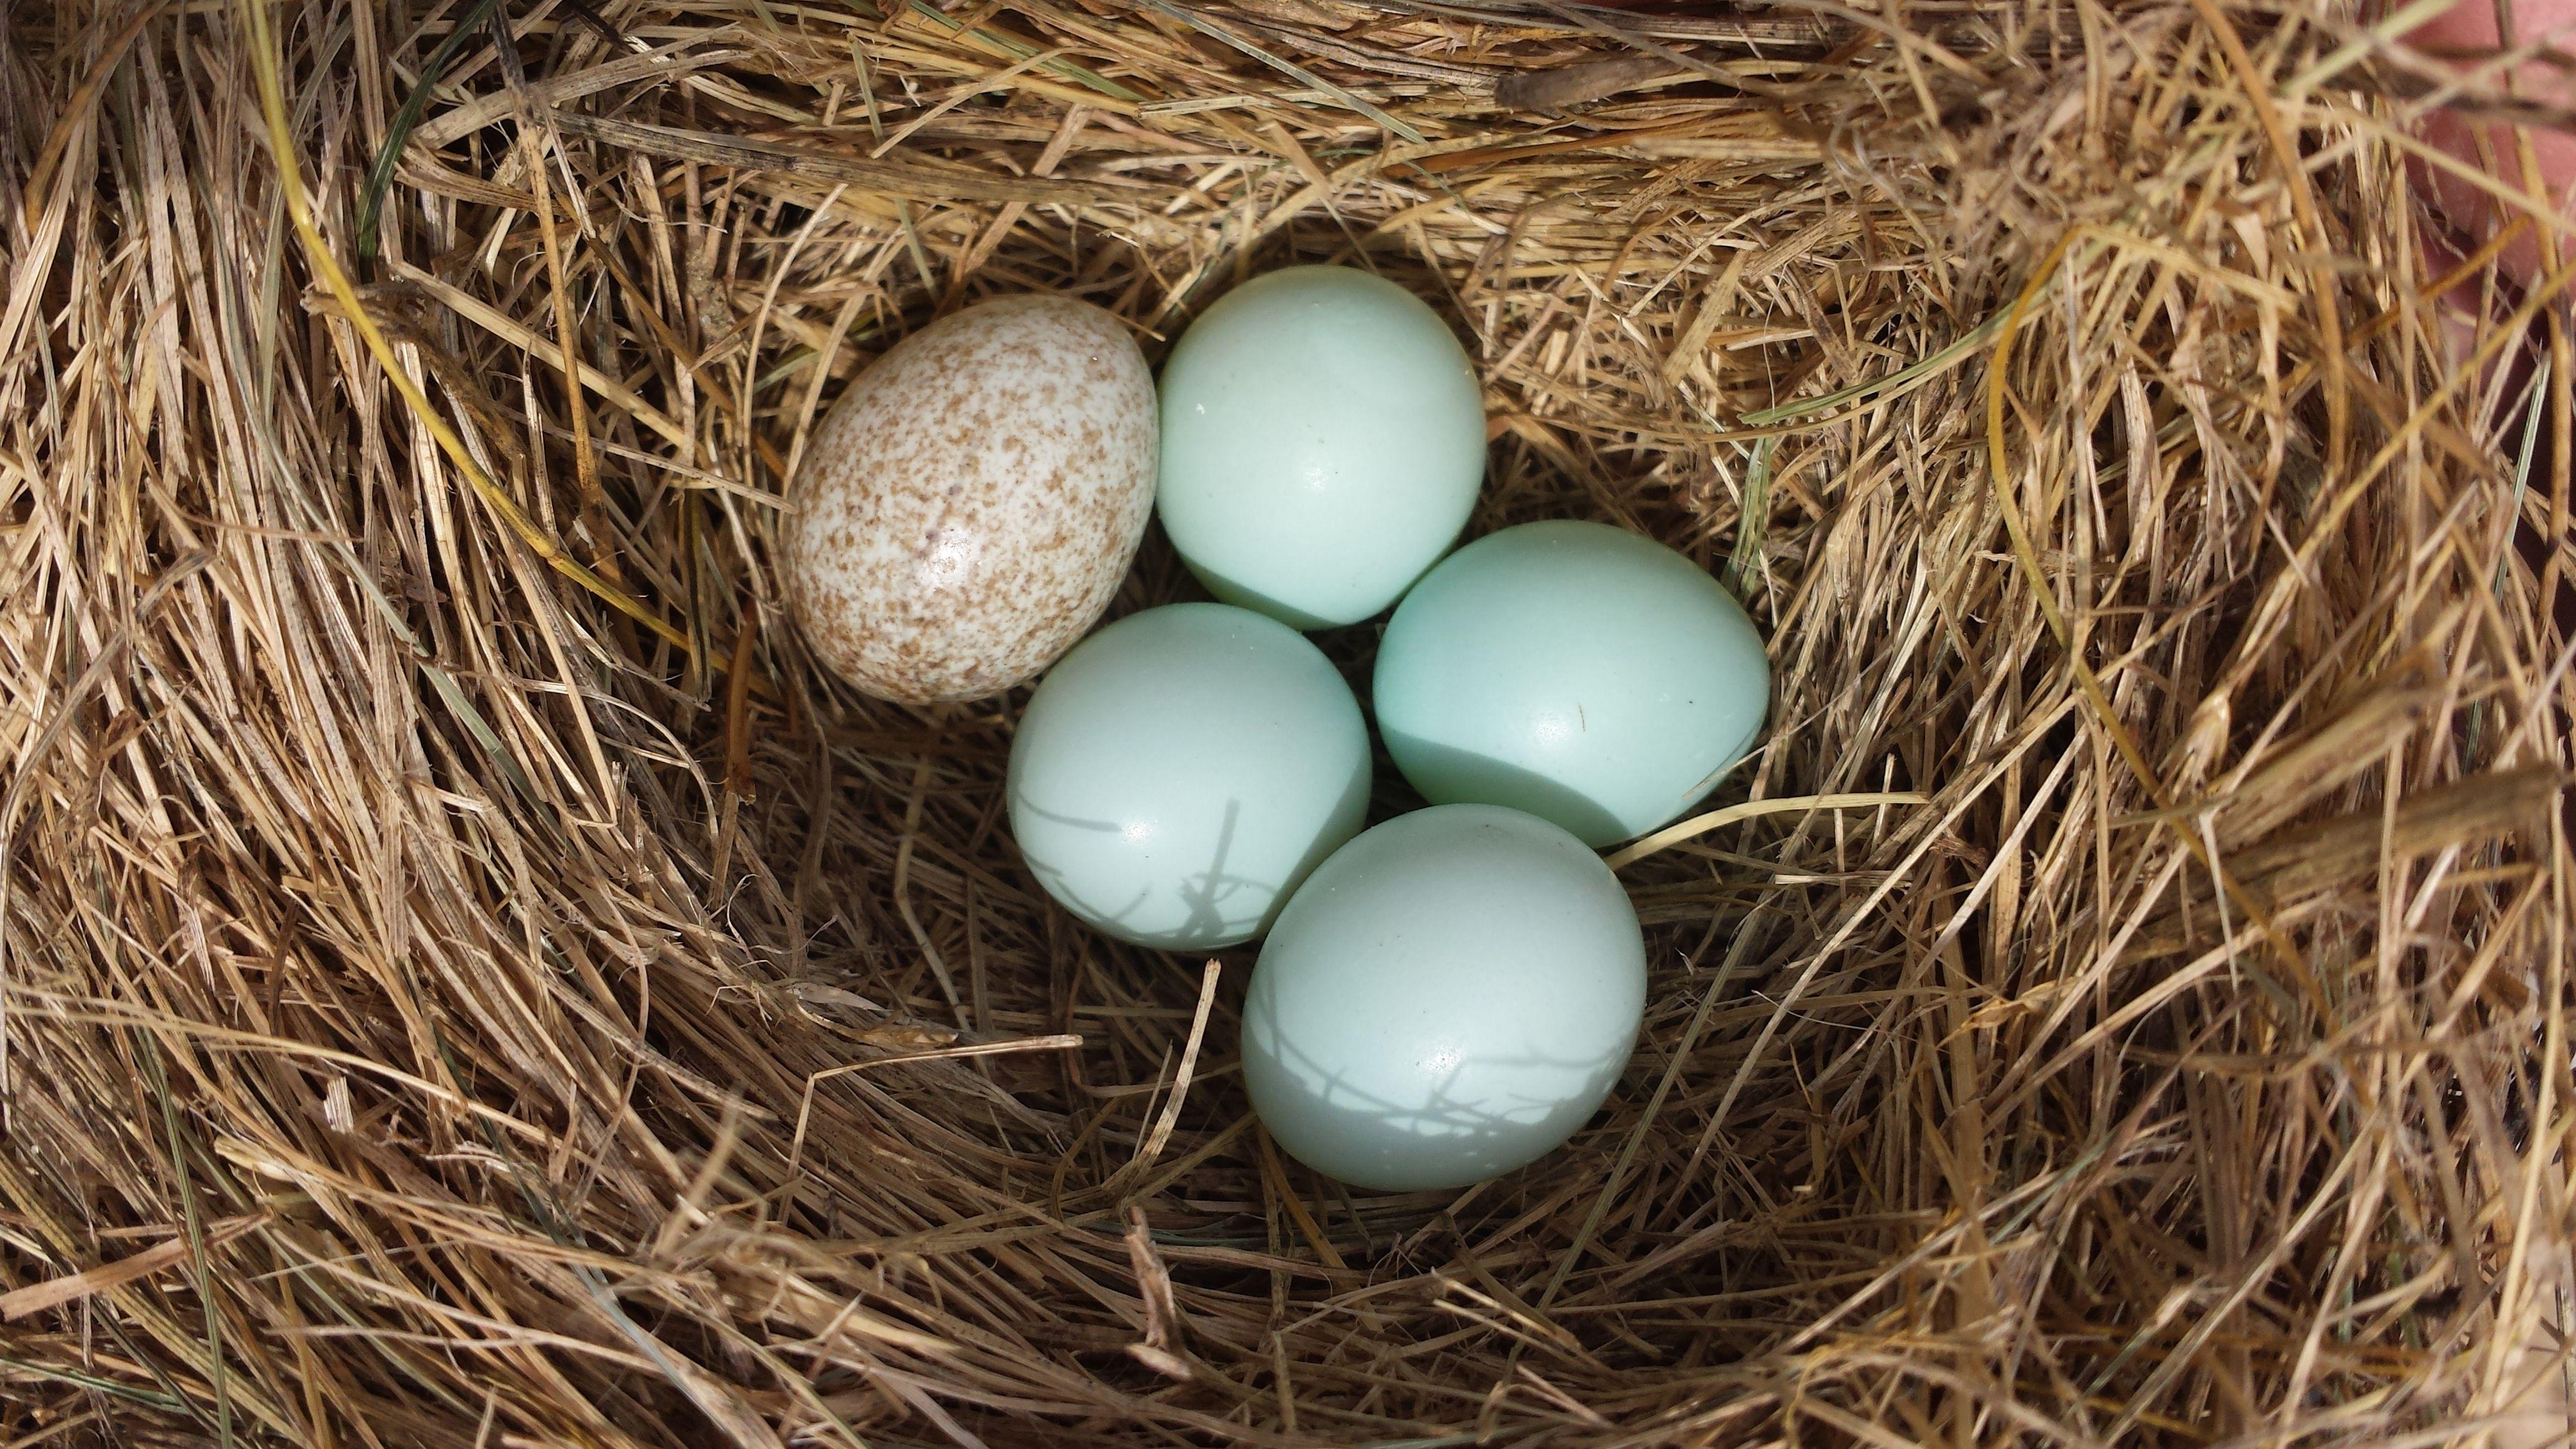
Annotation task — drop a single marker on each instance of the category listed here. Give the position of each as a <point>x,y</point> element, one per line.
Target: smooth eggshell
<point>968,507</point>
<point>1180,772</point>
<point>1323,440</point>
<point>1449,997</point>
<point>1573,670</point>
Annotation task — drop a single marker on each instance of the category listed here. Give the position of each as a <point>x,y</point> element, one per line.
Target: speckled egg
<point>968,507</point>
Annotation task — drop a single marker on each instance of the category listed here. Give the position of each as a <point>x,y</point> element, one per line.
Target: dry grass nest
<point>471,980</point>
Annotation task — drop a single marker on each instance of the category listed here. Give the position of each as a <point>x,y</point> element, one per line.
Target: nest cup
<point>471,979</point>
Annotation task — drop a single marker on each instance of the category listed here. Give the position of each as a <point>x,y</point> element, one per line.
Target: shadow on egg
<point>1225,904</point>
<point>1469,1125</point>
<point>1448,775</point>
<point>1232,591</point>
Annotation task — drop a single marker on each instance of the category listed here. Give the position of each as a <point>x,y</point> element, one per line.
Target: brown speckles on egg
<point>966,510</point>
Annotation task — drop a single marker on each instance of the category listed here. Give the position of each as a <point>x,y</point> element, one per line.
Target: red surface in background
<point>2472,214</point>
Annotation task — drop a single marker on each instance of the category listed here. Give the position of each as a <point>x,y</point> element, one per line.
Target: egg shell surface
<point>1448,998</point>
<point>1580,672</point>
<point>1179,772</point>
<point>968,507</point>
<point>1323,441</point>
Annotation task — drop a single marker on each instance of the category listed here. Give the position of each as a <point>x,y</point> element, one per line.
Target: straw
<point>469,978</point>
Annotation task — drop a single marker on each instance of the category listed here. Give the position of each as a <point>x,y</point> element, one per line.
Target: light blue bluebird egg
<point>1178,773</point>
<point>1323,439</point>
<point>1573,670</point>
<point>1448,998</point>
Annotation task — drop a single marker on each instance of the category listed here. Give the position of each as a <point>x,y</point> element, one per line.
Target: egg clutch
<point>1441,998</point>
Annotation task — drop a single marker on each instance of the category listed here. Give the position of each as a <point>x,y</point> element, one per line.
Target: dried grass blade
<point>1020,50</point>
<point>910,180</point>
<point>1149,1151</point>
<point>1698,825</point>
<point>398,133</point>
<point>318,252</point>
<point>72,1287</point>
<point>1214,31</point>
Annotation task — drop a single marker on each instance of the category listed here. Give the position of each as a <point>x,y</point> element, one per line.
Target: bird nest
<point>470,979</point>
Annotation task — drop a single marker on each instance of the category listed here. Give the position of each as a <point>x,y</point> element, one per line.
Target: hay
<point>470,981</point>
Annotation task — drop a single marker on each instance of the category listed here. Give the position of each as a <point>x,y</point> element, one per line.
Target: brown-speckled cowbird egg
<point>965,511</point>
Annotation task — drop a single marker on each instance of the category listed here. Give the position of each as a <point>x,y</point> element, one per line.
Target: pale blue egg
<point>1323,440</point>
<point>1576,671</point>
<point>1178,773</point>
<point>1449,997</point>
